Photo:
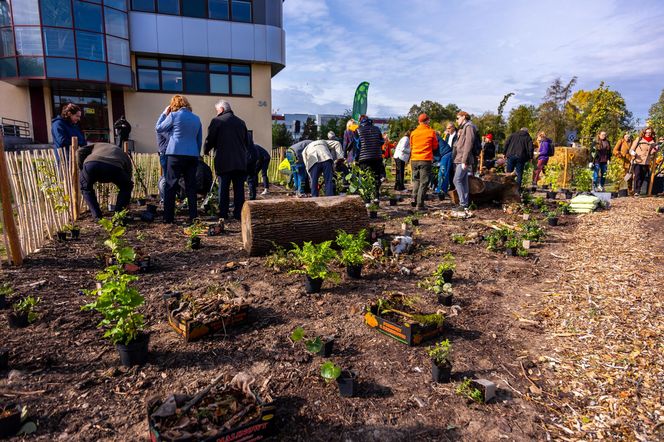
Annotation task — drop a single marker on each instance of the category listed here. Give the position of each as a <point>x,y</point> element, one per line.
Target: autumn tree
<point>552,111</point>
<point>656,116</point>
<point>523,116</point>
<point>603,110</point>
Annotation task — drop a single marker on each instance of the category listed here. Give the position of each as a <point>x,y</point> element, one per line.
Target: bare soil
<point>73,386</point>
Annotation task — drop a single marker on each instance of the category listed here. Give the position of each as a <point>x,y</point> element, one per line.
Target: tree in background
<point>398,126</point>
<point>605,110</point>
<point>310,130</point>
<point>552,111</point>
<point>435,111</point>
<point>523,116</point>
<point>280,135</point>
<point>336,125</point>
<point>491,123</point>
<point>656,116</point>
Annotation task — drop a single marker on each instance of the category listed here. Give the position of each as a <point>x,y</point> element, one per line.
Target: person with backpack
<point>642,152</point>
<point>349,143</point>
<point>463,159</point>
<point>601,155</point>
<point>401,157</point>
<point>122,129</point>
<point>518,151</point>
<point>370,151</point>
<point>545,152</point>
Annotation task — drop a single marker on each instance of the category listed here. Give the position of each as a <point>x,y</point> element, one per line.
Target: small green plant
<point>433,319</point>
<point>27,307</point>
<point>329,371</point>
<point>466,389</point>
<point>313,260</point>
<point>494,240</point>
<point>539,202</point>
<point>47,180</point>
<point>532,231</point>
<point>6,289</point>
<point>550,215</point>
<point>526,198</point>
<point>120,218</point>
<point>563,208</point>
<point>552,175</point>
<point>312,345</point>
<point>449,263</point>
<point>194,232</point>
<point>582,179</point>
<point>352,247</point>
<point>279,260</point>
<point>513,242</point>
<point>441,353</point>
<point>458,238</point>
<point>122,253</point>
<point>361,182</point>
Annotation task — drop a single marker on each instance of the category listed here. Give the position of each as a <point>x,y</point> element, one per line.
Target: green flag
<point>361,100</point>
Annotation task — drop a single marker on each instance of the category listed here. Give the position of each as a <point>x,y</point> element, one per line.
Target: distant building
<point>295,122</point>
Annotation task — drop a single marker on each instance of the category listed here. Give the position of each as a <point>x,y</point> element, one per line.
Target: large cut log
<point>286,220</point>
<point>491,187</point>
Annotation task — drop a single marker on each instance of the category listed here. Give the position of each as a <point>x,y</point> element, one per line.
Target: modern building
<point>295,122</point>
<point>128,57</point>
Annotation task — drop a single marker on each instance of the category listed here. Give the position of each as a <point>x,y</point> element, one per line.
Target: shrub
<point>314,260</point>
<point>352,247</point>
<point>441,353</point>
<point>27,306</point>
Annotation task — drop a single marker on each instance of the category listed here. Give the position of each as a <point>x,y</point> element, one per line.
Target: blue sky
<point>469,52</point>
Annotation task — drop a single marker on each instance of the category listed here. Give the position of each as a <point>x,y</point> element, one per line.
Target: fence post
<point>653,170</point>
<point>565,151</point>
<point>76,190</point>
<point>7,212</point>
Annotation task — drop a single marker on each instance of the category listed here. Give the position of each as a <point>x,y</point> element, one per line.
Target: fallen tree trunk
<point>491,187</point>
<point>286,220</point>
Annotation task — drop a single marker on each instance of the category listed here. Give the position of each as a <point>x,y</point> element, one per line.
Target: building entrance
<point>94,112</point>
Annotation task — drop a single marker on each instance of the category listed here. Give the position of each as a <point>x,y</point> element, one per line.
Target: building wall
<point>142,109</point>
<point>15,102</point>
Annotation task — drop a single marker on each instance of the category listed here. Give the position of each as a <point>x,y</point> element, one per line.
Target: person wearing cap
<point>489,149</point>
<point>463,159</point>
<point>423,141</point>
<point>370,150</point>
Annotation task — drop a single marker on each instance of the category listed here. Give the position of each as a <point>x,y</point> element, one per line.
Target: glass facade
<point>234,10</point>
<point>65,39</point>
<point>193,77</point>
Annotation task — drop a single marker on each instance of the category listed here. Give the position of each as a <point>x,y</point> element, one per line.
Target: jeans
<point>177,166</point>
<point>421,176</point>
<point>377,169</point>
<point>237,178</point>
<point>326,169</point>
<point>640,172</point>
<point>461,183</point>
<point>444,173</point>
<point>163,161</point>
<point>299,177</point>
<point>599,174</point>
<point>98,172</point>
<point>516,163</point>
<point>541,165</point>
<point>400,173</point>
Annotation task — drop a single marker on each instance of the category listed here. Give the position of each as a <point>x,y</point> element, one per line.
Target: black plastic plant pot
<point>143,264</point>
<point>551,195</point>
<point>441,373</point>
<point>3,302</point>
<point>354,271</point>
<point>445,299</point>
<point>11,422</point>
<point>413,204</point>
<point>545,186</point>
<point>18,320</point>
<point>416,222</point>
<point>614,194</point>
<point>62,235</point>
<point>447,275</point>
<point>4,359</point>
<point>147,217</point>
<point>568,194</point>
<point>373,214</point>
<point>326,349</point>
<point>441,196</point>
<point>511,251</point>
<point>552,221</point>
<point>195,243</point>
<point>347,383</point>
<point>622,193</point>
<point>151,208</point>
<point>312,285</point>
<point>393,201</point>
<point>533,188</point>
<point>111,207</point>
<point>142,201</point>
<point>134,353</point>
<point>75,233</point>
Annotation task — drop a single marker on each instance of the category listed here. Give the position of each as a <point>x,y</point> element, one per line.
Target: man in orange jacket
<point>423,141</point>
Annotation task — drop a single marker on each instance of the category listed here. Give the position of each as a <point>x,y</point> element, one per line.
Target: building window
<point>56,13</point>
<point>193,77</point>
<point>5,13</point>
<point>26,12</point>
<point>59,42</point>
<point>87,16</point>
<point>116,23</point>
<point>8,67</point>
<point>194,8</point>
<point>117,4</point>
<point>169,7</point>
<point>119,74</point>
<point>28,41</point>
<point>90,46</point>
<point>7,43</point>
<point>218,9</point>
<point>241,10</point>
<point>117,51</point>
<point>91,70</point>
<point>30,66</point>
<point>142,5</point>
<point>60,68</point>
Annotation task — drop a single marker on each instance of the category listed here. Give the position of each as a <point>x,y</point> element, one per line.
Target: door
<point>94,112</point>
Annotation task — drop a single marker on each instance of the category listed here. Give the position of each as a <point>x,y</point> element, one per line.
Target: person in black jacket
<point>489,149</point>
<point>229,138</point>
<point>518,150</point>
<point>258,162</point>
<point>370,155</point>
<point>122,130</point>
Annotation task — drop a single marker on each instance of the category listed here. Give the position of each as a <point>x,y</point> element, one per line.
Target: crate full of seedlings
<point>196,315</point>
<point>222,411</point>
<point>401,317</point>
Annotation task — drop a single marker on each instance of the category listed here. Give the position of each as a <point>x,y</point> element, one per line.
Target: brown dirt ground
<point>71,383</point>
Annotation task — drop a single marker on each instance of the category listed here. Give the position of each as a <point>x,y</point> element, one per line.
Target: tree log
<point>286,220</point>
<point>491,187</point>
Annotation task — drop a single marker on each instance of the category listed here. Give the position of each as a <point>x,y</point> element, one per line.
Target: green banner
<point>360,101</point>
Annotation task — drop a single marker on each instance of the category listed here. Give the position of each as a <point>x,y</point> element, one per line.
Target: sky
<point>468,52</point>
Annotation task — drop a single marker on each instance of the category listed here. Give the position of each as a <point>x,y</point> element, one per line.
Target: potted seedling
<point>445,295</point>
<point>5,291</point>
<point>194,233</point>
<point>73,229</point>
<point>313,261</point>
<point>346,379</point>
<point>373,210</point>
<point>622,193</point>
<point>352,250</point>
<point>10,420</point>
<point>321,346</point>
<point>24,312</point>
<point>469,391</point>
<point>445,271</point>
<point>393,199</point>
<point>441,361</point>
<point>512,245</point>
<point>552,218</point>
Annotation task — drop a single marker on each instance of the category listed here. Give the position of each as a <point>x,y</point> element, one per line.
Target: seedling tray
<point>194,329</point>
<point>409,334</point>
<point>259,428</point>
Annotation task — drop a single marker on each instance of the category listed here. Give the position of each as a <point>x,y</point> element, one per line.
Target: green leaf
<point>314,345</point>
<point>297,335</point>
<point>329,371</point>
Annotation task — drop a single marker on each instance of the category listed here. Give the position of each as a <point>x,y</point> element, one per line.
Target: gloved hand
<point>590,165</point>
<point>463,166</point>
<point>632,152</point>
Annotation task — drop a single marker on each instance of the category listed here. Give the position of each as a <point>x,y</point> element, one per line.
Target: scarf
<point>648,139</point>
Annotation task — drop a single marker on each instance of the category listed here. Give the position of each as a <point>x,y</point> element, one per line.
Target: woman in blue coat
<point>64,128</point>
<point>184,147</point>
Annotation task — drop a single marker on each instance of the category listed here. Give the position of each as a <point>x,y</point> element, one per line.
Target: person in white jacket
<point>401,157</point>
<point>319,157</point>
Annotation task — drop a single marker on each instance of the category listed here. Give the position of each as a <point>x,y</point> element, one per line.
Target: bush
<point>314,259</point>
<point>441,353</point>
<point>582,178</point>
<point>352,247</point>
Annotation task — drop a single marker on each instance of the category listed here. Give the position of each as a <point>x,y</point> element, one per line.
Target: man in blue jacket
<point>64,128</point>
<point>228,136</point>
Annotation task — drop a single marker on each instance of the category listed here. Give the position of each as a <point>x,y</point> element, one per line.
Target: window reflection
<point>28,41</point>
<point>87,16</point>
<point>116,23</point>
<point>56,13</point>
<point>118,50</point>
<point>90,46</point>
<point>26,12</point>
<point>60,68</point>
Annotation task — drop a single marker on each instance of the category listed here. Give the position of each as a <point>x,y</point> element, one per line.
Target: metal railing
<point>15,128</point>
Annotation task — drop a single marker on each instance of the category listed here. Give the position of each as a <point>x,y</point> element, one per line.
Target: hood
<point>366,122</point>
<point>58,118</point>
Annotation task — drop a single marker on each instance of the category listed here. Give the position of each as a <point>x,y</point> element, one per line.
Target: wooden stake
<point>125,147</point>
<point>653,168</point>
<point>481,161</point>
<point>7,214</point>
<point>565,151</point>
<point>76,194</point>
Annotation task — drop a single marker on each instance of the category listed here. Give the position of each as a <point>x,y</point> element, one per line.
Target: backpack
<point>551,151</point>
<point>477,144</point>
